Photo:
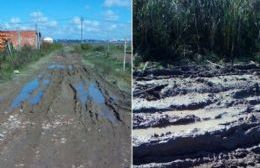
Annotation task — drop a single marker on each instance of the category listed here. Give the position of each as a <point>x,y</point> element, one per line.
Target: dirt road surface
<point>193,116</point>
<point>64,115</point>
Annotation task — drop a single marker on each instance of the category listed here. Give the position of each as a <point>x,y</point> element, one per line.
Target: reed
<point>174,30</point>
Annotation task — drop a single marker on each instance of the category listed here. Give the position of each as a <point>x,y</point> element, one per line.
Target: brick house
<point>18,38</point>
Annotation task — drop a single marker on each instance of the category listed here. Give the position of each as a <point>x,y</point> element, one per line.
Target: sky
<point>60,19</point>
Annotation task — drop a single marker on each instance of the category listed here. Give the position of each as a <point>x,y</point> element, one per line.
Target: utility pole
<point>19,38</point>
<point>39,40</point>
<point>124,56</point>
<point>81,28</point>
<point>36,40</point>
<point>108,47</point>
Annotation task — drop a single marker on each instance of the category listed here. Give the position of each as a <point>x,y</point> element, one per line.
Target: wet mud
<point>197,116</point>
<point>67,116</point>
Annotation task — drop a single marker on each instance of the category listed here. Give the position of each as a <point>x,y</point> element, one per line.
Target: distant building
<point>19,38</point>
<point>48,40</point>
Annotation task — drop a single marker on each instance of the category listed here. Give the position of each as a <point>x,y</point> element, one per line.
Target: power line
<point>65,19</point>
<point>81,26</point>
<point>83,21</point>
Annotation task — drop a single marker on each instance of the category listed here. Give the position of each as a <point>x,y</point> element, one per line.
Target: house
<point>19,38</point>
<point>48,40</point>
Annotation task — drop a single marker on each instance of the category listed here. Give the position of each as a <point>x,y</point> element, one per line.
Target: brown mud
<point>65,115</point>
<point>197,116</point>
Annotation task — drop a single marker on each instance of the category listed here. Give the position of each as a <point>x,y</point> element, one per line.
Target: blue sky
<point>103,19</point>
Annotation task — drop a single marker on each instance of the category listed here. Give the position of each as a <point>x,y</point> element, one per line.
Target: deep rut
<point>197,116</point>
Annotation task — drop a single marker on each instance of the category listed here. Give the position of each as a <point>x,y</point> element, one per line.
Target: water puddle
<point>98,98</point>
<point>201,126</point>
<point>81,93</point>
<point>37,98</point>
<point>96,94</point>
<point>93,93</point>
<point>202,113</point>
<point>31,93</point>
<point>46,82</point>
<point>70,67</point>
<point>25,93</point>
<point>56,67</point>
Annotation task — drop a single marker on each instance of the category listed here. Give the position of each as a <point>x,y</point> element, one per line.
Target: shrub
<point>85,46</point>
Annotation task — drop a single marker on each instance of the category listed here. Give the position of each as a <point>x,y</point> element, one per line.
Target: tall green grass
<point>18,59</point>
<point>109,64</point>
<point>193,30</point>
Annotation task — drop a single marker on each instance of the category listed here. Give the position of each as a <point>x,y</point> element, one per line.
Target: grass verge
<point>109,64</point>
<point>20,59</point>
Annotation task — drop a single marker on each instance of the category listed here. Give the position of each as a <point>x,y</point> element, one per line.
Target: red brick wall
<point>26,38</point>
<point>3,38</point>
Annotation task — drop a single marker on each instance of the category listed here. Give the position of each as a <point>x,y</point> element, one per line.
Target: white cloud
<point>26,28</point>
<point>12,24</point>
<point>6,26</point>
<point>119,3</point>
<point>39,17</point>
<point>76,20</point>
<point>15,20</point>
<point>112,27</point>
<point>110,15</point>
<point>89,25</point>
<point>53,23</point>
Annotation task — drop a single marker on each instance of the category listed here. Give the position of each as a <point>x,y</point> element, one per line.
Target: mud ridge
<point>195,116</point>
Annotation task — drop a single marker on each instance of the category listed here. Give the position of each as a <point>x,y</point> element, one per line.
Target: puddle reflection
<point>25,93</point>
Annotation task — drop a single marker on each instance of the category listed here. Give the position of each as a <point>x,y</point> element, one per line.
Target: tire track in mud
<point>67,116</point>
<point>197,116</point>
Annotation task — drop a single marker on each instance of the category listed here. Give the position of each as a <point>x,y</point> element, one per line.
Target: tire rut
<point>197,116</point>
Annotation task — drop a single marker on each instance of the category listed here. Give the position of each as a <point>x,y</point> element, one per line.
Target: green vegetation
<point>184,31</point>
<point>18,59</point>
<point>108,62</point>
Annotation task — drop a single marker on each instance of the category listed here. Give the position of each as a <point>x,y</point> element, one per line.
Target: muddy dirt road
<point>197,117</point>
<point>64,116</point>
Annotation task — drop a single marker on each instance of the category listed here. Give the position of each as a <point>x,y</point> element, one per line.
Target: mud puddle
<point>89,93</point>
<point>197,116</point>
<point>31,93</point>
